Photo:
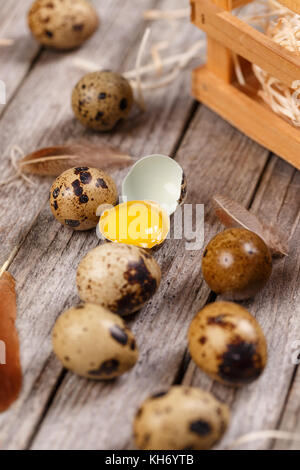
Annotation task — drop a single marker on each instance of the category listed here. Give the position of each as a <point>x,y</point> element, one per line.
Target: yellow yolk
<point>140,223</point>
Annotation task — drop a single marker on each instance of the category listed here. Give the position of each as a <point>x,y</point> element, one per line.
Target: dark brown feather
<point>232,214</point>
<point>100,156</point>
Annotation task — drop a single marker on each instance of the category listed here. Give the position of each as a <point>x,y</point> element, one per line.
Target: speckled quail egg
<point>101,99</point>
<point>62,24</point>
<point>227,342</point>
<point>76,195</point>
<point>94,343</point>
<point>156,178</point>
<point>119,277</point>
<point>236,264</point>
<point>184,418</point>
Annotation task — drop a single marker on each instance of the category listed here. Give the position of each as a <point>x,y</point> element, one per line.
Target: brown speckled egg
<point>236,264</point>
<point>184,418</point>
<point>76,194</point>
<point>119,277</point>
<point>101,99</point>
<point>62,24</point>
<point>227,343</point>
<point>94,343</point>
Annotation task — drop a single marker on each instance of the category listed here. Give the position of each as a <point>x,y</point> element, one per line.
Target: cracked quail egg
<point>94,343</point>
<point>156,178</point>
<point>141,223</point>
<point>121,278</point>
<point>62,24</point>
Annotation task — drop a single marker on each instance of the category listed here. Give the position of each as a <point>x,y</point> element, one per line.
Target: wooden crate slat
<point>248,115</point>
<point>245,41</point>
<point>219,57</point>
<point>293,5</point>
<point>239,3</point>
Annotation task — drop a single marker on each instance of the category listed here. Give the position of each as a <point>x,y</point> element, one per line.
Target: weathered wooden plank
<point>52,122</point>
<point>214,156</point>
<point>258,406</point>
<point>290,416</point>
<point>86,414</point>
<point>15,60</point>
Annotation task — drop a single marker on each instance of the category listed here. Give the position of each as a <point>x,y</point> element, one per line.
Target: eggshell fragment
<point>227,343</point>
<point>76,195</point>
<point>62,24</point>
<point>121,278</point>
<point>156,178</point>
<point>184,418</point>
<point>94,343</point>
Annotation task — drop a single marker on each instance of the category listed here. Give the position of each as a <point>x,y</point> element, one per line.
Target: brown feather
<point>53,161</point>
<point>232,214</point>
<point>10,372</point>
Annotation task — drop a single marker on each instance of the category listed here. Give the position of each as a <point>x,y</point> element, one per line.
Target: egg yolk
<point>140,223</point>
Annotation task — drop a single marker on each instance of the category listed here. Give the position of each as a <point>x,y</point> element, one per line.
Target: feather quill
<point>53,161</point>
<point>232,214</point>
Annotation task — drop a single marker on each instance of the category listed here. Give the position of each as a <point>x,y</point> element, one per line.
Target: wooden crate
<point>214,84</point>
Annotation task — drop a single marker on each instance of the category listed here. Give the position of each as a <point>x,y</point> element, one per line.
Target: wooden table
<point>56,409</point>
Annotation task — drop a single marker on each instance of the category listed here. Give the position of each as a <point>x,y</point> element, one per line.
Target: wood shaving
<point>162,70</point>
<point>10,259</point>
<point>140,98</point>
<point>16,151</point>
<point>176,14</point>
<point>267,434</point>
<point>156,57</point>
<point>283,26</point>
<point>6,42</point>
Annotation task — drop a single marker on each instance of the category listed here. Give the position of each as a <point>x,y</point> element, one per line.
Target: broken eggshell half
<point>156,178</point>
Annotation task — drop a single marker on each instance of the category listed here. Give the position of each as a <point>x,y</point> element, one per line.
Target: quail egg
<point>62,24</point>
<point>101,99</point>
<point>94,343</point>
<point>236,264</point>
<point>119,277</point>
<point>156,178</point>
<point>76,195</point>
<point>184,418</point>
<point>140,223</point>
<point>227,343</point>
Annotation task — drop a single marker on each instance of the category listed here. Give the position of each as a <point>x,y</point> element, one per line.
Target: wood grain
<point>210,147</point>
<point>258,406</point>
<point>15,60</point>
<point>50,123</point>
<point>58,410</point>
